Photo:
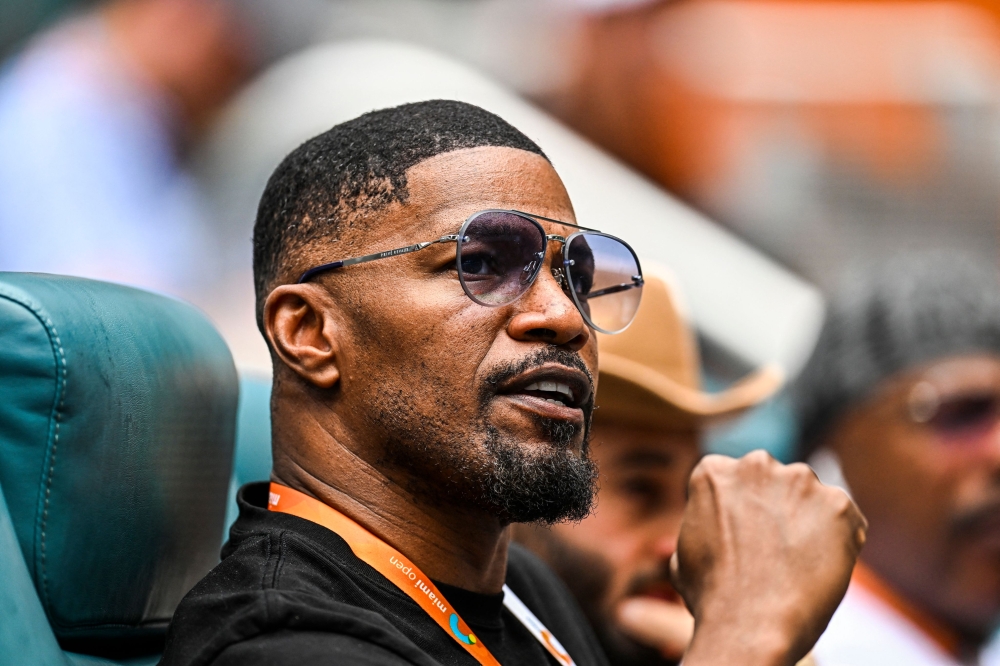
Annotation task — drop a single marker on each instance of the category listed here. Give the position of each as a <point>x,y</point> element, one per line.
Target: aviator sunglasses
<point>500,253</point>
<point>966,416</point>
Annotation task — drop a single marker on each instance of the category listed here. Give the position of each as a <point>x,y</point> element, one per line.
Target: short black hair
<point>360,166</point>
<point>887,318</point>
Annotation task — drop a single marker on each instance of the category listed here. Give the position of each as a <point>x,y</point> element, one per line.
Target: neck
<point>454,545</point>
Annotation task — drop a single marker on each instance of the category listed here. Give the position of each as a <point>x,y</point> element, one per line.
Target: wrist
<point>731,644</point>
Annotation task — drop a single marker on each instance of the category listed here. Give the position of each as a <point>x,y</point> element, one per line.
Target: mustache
<point>508,371</point>
<point>973,520</point>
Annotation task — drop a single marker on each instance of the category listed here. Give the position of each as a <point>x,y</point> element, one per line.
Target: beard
<point>588,577</point>
<point>482,466</point>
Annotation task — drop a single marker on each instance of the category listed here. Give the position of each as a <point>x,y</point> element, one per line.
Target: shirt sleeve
<point>288,648</point>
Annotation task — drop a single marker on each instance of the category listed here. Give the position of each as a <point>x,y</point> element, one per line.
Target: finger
<point>661,625</point>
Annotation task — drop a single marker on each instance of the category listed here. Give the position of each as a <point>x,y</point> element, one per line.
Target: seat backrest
<point>252,460</point>
<point>253,430</point>
<point>117,418</point>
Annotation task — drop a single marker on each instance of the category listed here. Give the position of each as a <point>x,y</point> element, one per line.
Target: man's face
<point>434,388</point>
<point>922,458</point>
<point>623,549</point>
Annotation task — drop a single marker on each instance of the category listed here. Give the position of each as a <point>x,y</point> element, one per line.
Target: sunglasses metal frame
<point>561,274</point>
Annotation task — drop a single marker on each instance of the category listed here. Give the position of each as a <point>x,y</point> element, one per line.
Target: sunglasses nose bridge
<point>554,257</point>
<point>559,262</point>
<point>531,270</point>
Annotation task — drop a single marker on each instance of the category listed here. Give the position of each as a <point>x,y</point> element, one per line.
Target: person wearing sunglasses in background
<point>900,404</point>
<point>647,427</point>
<point>431,304</point>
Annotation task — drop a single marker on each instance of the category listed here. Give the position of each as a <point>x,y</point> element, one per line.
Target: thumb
<point>661,625</point>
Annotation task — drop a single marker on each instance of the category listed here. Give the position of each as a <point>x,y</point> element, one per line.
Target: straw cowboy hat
<point>650,374</point>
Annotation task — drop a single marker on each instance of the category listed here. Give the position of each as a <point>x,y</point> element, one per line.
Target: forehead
<point>444,190</point>
<point>948,375</point>
<point>963,369</point>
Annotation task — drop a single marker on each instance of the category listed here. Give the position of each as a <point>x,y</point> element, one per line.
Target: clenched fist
<point>764,558</point>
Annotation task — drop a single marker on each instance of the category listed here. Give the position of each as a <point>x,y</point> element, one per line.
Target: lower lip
<point>545,408</point>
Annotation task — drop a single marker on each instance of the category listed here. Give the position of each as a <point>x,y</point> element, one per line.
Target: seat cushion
<point>117,416</point>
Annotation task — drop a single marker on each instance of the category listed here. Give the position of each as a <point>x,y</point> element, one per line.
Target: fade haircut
<point>358,167</point>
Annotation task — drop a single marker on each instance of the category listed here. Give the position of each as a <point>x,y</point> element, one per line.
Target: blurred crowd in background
<point>828,135</point>
<point>825,134</point>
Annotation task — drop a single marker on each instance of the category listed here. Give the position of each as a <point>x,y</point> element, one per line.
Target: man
<point>432,386</point>
<point>901,400</point>
<point>645,439</point>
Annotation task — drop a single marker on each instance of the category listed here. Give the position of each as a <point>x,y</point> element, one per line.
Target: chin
<point>520,483</point>
<point>974,607</point>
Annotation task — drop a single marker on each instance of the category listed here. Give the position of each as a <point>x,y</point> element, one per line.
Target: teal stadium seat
<point>117,419</point>
<point>253,437</point>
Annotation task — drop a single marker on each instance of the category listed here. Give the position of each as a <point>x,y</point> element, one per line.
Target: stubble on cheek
<point>430,420</point>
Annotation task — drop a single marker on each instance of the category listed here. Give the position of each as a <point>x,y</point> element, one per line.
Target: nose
<point>546,314</point>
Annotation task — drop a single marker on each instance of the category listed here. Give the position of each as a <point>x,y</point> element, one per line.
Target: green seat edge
<point>25,635</point>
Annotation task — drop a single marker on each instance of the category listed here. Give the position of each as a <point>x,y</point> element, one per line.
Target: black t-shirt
<point>291,592</point>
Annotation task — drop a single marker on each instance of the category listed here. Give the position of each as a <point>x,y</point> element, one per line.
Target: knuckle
<point>758,457</point>
<point>700,474</point>
<point>713,464</point>
<point>757,463</point>
<point>802,473</point>
<point>855,514</point>
<point>842,505</point>
<point>800,469</point>
<point>845,507</point>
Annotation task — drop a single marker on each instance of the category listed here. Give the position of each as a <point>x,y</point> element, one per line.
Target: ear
<point>299,323</point>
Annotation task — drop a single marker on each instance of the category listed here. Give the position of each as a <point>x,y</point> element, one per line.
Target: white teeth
<point>553,387</point>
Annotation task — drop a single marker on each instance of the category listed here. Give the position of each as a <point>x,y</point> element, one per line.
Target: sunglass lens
<point>606,280</point>
<point>966,415</point>
<point>499,255</point>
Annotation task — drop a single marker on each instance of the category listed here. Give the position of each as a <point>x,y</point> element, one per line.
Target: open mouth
<point>551,384</point>
<point>556,392</point>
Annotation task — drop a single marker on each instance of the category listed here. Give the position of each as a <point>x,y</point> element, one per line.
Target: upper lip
<point>578,383</point>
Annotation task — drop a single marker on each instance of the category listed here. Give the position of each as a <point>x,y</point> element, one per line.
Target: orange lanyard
<point>405,575</point>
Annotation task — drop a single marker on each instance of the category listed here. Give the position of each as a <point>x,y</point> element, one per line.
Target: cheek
<point>604,533</point>
<point>904,483</point>
<point>419,340</point>
<point>602,540</point>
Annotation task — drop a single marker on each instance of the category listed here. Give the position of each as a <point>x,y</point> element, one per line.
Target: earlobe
<point>302,331</point>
